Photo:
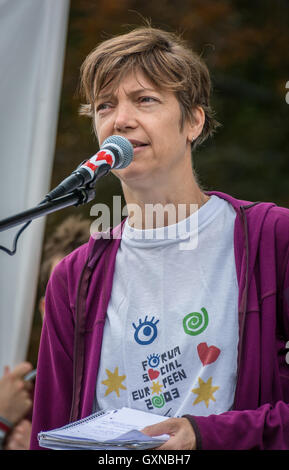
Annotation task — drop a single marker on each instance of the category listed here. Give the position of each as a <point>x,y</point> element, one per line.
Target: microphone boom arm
<point>76,198</point>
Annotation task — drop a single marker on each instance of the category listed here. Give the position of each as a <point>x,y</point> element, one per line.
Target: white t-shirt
<point>171,332</point>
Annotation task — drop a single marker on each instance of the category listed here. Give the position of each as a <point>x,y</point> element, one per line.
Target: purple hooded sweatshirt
<point>76,303</point>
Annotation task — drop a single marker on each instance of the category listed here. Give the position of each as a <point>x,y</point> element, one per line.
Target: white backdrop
<point>32,48</point>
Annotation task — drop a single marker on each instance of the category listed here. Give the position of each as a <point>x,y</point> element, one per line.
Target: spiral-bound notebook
<point>105,430</point>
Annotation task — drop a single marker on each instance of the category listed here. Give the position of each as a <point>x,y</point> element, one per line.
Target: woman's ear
<point>197,124</point>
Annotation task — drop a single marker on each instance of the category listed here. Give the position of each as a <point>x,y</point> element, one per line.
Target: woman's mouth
<point>138,146</point>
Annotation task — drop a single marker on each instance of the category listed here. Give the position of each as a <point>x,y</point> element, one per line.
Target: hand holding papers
<point>105,430</point>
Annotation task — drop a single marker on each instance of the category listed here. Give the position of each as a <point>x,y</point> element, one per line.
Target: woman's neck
<point>162,205</point>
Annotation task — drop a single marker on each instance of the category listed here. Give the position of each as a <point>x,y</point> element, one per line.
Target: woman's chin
<point>135,172</point>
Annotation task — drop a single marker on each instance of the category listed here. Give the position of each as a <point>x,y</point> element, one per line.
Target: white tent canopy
<point>32,46</point>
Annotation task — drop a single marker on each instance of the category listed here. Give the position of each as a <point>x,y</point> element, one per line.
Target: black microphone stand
<point>77,197</point>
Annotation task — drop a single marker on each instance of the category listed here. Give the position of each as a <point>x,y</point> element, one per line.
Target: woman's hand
<point>181,432</point>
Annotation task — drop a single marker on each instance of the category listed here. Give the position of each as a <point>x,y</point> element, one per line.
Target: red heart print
<point>208,354</point>
<point>153,374</point>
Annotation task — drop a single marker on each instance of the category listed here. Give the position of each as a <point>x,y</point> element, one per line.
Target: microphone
<point>115,152</point>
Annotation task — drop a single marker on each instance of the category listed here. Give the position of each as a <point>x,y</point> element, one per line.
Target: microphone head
<point>123,147</point>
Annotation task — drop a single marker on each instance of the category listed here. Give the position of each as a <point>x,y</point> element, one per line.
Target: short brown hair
<point>164,58</point>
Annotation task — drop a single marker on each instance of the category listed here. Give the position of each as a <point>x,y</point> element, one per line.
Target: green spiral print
<point>158,401</point>
<point>195,323</point>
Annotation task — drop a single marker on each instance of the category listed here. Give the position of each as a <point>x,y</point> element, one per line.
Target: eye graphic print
<point>146,331</point>
<point>154,360</point>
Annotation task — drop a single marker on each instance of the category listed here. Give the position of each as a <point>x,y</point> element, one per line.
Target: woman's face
<point>149,118</point>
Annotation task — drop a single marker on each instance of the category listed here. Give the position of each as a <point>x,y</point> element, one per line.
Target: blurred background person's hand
<point>19,438</point>
<point>15,404</point>
<point>15,398</point>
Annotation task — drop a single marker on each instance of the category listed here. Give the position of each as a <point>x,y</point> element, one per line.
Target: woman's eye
<point>147,99</point>
<point>102,106</point>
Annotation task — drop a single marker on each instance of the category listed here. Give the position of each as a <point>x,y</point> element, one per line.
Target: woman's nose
<point>124,117</point>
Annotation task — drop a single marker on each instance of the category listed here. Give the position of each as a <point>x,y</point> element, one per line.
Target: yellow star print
<point>156,388</point>
<point>204,392</point>
<point>113,382</point>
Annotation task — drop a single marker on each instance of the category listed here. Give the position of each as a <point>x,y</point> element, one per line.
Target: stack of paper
<point>106,429</point>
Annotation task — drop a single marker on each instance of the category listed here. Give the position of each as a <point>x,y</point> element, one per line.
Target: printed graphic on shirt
<point>156,388</point>
<point>153,374</point>
<point>114,382</point>
<point>195,323</point>
<point>146,331</point>
<point>161,374</point>
<point>204,391</point>
<point>154,360</point>
<point>158,401</point>
<point>208,354</point>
